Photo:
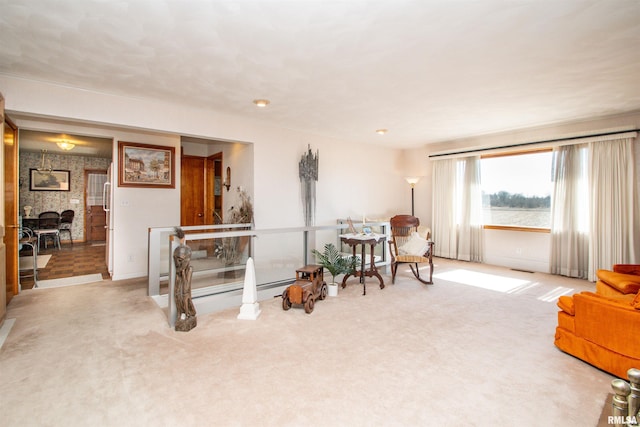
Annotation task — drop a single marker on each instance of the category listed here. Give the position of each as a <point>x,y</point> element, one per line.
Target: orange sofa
<point>603,328</point>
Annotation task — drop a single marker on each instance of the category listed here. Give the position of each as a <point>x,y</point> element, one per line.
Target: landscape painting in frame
<point>149,166</point>
<point>53,180</point>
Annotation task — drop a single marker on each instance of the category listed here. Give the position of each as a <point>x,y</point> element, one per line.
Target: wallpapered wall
<point>58,201</point>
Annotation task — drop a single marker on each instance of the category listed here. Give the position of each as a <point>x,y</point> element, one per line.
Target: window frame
<point>514,227</point>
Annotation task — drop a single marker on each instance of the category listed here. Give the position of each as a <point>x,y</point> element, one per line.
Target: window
<point>516,189</point>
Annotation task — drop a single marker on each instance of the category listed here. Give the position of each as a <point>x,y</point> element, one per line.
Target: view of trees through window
<point>516,190</point>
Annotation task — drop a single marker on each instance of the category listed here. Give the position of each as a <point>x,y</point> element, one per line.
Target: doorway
<point>82,252</point>
<point>201,190</point>
<point>95,227</point>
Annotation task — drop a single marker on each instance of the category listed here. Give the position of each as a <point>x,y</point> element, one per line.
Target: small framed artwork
<point>147,166</point>
<point>55,180</point>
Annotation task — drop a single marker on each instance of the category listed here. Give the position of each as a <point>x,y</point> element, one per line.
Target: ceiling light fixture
<point>261,102</point>
<point>65,145</point>
<point>381,131</point>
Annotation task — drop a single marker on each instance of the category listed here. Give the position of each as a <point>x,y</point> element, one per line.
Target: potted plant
<point>335,263</point>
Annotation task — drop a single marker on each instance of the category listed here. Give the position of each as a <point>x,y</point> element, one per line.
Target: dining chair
<point>66,222</point>
<point>48,223</point>
<point>27,239</point>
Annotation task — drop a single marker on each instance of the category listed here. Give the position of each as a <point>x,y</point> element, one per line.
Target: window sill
<point>514,228</point>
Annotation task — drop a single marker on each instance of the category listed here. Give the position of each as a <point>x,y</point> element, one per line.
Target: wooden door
<point>192,190</point>
<point>95,218</point>
<point>10,133</point>
<point>200,202</point>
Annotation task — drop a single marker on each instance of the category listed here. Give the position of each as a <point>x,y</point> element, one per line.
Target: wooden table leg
<point>346,276</point>
<point>364,272</point>
<point>374,269</point>
<point>363,261</point>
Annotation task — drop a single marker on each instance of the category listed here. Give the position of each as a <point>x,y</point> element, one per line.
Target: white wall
<point>353,179</point>
<point>528,251</point>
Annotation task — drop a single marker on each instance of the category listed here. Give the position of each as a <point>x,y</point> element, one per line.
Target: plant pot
<point>333,289</point>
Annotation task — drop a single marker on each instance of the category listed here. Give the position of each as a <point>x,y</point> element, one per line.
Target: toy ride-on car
<point>308,287</point>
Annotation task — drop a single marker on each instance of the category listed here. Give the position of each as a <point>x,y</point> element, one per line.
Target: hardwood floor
<point>71,260</point>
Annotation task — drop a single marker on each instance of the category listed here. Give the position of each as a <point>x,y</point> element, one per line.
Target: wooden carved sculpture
<point>186,311</point>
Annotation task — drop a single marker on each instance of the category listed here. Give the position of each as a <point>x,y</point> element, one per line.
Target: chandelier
<point>45,165</point>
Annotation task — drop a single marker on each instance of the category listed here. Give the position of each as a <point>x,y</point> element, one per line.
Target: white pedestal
<point>250,309</point>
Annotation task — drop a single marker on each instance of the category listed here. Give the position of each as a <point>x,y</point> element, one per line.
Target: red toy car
<point>308,287</point>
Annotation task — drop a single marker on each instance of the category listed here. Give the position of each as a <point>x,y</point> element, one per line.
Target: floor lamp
<point>412,180</point>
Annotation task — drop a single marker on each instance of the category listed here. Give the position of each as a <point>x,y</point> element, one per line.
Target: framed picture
<point>148,166</point>
<point>56,180</point>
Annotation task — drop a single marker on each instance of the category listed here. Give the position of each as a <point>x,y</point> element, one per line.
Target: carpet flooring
<point>474,349</point>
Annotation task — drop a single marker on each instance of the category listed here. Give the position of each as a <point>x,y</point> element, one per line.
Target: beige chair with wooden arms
<point>408,247</point>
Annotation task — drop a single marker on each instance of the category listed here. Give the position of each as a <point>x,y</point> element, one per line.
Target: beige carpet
<point>450,354</point>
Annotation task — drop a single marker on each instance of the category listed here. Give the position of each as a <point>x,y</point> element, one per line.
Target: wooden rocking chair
<point>407,247</point>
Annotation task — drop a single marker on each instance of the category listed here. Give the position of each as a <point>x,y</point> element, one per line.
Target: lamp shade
<point>413,180</point>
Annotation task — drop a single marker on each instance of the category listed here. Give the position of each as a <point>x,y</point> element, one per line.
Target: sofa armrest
<point>565,303</point>
<point>627,269</point>
<point>609,323</point>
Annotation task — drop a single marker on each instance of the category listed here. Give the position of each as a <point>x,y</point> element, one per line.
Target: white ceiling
<point>88,146</point>
<point>428,70</point>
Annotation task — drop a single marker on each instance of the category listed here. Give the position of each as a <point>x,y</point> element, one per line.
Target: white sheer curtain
<point>569,212</point>
<point>470,210</point>
<point>95,185</point>
<point>444,208</point>
<point>614,228</point>
<point>457,209</point>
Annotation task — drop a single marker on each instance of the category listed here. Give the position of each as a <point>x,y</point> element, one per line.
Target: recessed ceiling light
<point>381,131</point>
<point>261,102</point>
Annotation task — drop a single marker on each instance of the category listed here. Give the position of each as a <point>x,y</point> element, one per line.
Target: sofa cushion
<point>625,283</point>
<point>636,302</point>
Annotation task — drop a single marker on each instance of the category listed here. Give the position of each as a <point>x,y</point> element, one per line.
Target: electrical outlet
<point>130,258</point>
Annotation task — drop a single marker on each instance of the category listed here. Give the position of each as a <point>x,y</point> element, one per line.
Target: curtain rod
<point>525,144</point>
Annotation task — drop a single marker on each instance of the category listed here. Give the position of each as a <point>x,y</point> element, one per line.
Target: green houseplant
<point>335,263</point>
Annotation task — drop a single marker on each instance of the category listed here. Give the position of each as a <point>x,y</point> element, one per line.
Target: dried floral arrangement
<point>232,248</point>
